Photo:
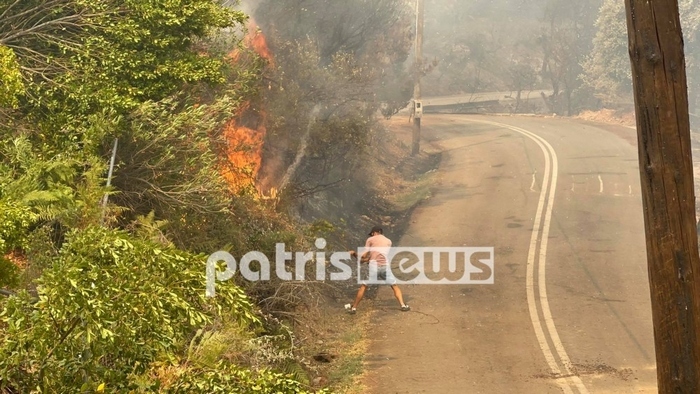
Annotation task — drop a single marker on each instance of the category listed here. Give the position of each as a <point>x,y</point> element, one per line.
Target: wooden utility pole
<point>665,164</point>
<point>419,70</point>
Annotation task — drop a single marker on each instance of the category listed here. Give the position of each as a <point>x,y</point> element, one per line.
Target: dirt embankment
<point>384,190</point>
<point>621,117</point>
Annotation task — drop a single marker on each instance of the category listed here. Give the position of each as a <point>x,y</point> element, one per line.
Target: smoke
<point>302,149</point>
<point>247,6</point>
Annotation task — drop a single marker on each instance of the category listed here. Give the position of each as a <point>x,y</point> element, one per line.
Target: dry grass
<point>341,338</point>
<point>625,118</point>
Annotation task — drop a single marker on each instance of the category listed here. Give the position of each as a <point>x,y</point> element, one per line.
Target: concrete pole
<point>419,70</point>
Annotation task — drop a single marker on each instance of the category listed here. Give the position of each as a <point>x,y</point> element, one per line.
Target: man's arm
<point>364,258</point>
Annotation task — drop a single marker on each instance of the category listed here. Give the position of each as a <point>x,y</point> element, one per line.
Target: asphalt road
<point>569,310</point>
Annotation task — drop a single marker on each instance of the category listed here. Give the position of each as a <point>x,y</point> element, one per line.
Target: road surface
<point>569,311</point>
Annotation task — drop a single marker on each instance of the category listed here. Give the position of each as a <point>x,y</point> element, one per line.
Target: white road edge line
<point>548,152</point>
<point>600,179</point>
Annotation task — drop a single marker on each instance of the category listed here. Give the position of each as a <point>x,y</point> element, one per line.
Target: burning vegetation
<point>245,133</point>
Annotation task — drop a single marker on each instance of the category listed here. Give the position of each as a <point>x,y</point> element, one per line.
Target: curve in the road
<point>561,370</point>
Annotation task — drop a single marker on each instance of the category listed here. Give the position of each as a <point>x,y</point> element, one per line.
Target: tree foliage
<point>109,307</point>
<point>502,40</point>
<point>367,30</point>
<point>607,69</point>
<point>169,158</point>
<point>82,58</point>
<point>146,50</point>
<point>565,42</point>
<point>11,85</point>
<point>110,296</point>
<point>42,33</point>
<point>474,43</point>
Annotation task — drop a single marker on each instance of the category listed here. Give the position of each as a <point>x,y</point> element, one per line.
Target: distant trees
<point>565,42</point>
<point>581,48</point>
<point>690,20</point>
<point>607,68</point>
<point>492,46</point>
<point>469,48</point>
<point>522,76</point>
<point>481,50</point>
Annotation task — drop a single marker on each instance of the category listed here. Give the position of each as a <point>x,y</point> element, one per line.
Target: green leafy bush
<point>9,273</point>
<point>109,307</point>
<point>15,219</point>
<point>228,379</point>
<point>11,84</point>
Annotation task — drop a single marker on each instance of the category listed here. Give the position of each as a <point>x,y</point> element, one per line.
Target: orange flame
<point>258,42</point>
<point>244,154</point>
<point>245,134</point>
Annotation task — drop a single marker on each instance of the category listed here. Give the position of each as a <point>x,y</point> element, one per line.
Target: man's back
<point>378,246</point>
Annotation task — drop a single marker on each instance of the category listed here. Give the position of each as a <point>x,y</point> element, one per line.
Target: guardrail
<point>460,108</point>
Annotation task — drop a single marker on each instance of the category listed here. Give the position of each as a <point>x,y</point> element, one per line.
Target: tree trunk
<point>665,163</point>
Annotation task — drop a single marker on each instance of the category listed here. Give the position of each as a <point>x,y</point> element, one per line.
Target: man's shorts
<point>377,274</point>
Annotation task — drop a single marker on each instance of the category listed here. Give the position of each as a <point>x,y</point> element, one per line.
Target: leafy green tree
<point>109,307</point>
<point>607,69</point>
<point>15,220</point>
<point>147,50</point>
<point>226,379</point>
<point>11,85</point>
<point>171,158</point>
<point>82,58</point>
<point>167,158</point>
<point>41,33</point>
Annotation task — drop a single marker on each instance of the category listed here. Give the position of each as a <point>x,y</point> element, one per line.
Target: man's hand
<point>363,259</point>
